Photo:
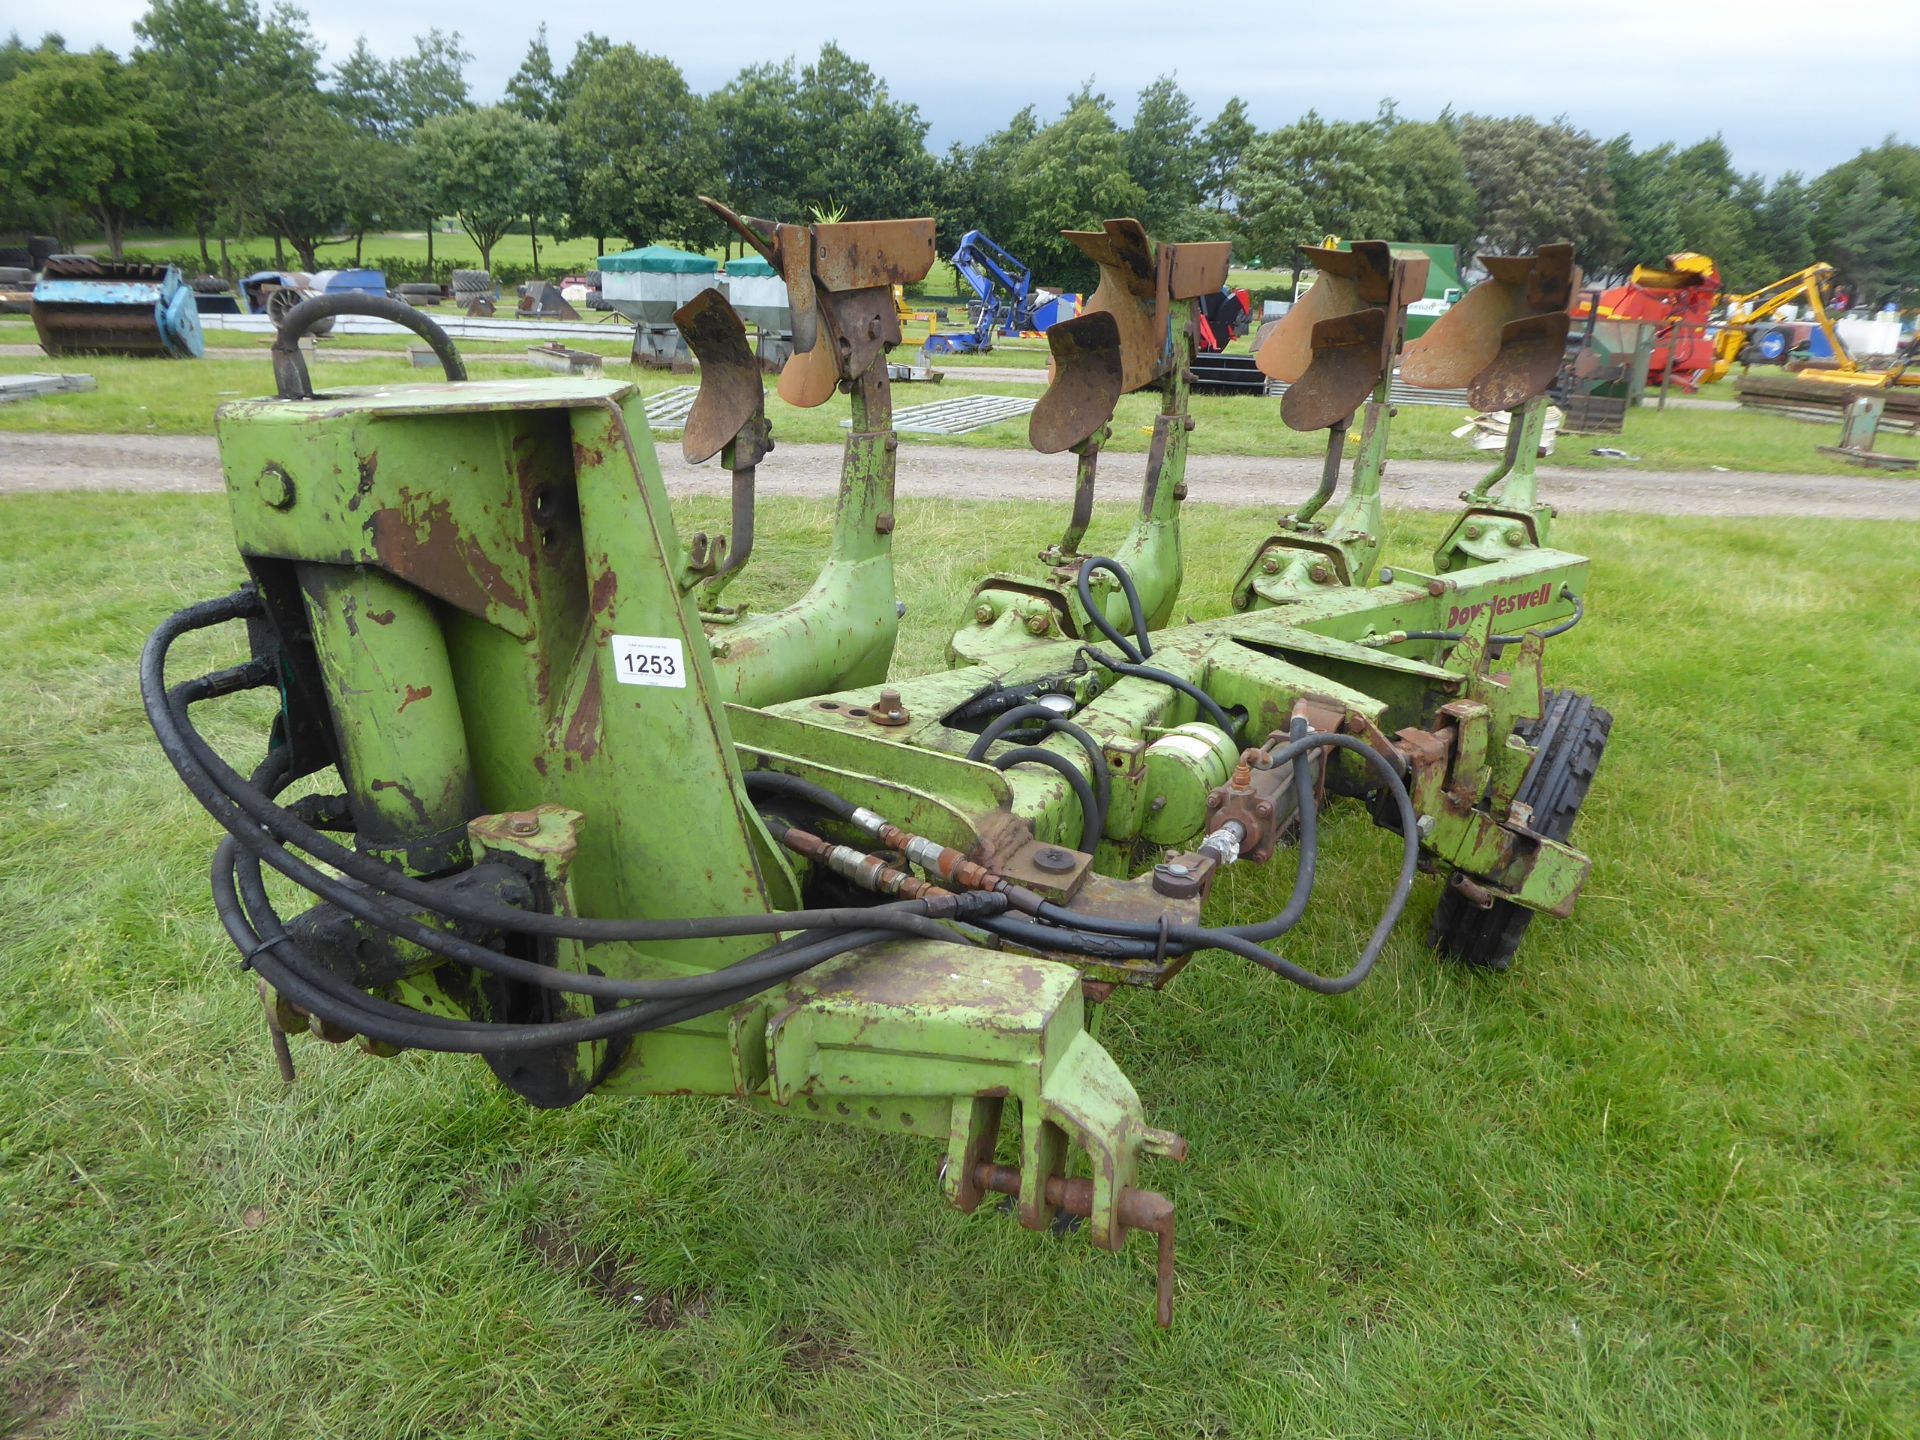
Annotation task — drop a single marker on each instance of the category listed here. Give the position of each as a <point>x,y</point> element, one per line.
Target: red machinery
<point>1679,300</point>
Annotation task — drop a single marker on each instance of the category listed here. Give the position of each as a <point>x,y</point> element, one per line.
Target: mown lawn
<point>1659,1180</point>
<point>136,396</point>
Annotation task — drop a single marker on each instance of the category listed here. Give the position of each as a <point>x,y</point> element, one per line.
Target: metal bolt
<point>524,823</point>
<point>1039,624</point>
<point>1180,491</point>
<point>276,487</point>
<point>1319,574</point>
<point>883,524</point>
<point>1215,800</point>
<point>1515,535</point>
<point>1424,825</point>
<point>1270,565</point>
<point>983,613</point>
<point>1436,588</point>
<point>1473,532</point>
<point>1053,860</point>
<point>1386,574</point>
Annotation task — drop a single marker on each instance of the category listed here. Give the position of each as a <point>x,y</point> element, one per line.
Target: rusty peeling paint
<point>604,589</point>
<point>380,617</point>
<point>583,730</point>
<point>415,693</point>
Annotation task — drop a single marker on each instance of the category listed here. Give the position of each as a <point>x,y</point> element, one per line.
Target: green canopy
<point>749,265</point>
<point>659,259</point>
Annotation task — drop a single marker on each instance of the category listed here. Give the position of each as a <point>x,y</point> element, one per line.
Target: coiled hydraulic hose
<point>1094,803</point>
<point>1140,648</point>
<point>260,832</point>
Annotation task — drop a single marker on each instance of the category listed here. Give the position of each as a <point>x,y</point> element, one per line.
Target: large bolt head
<point>1039,624</point>
<point>983,614</point>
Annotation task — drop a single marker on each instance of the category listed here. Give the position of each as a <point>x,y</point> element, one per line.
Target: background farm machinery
<point>615,834</point>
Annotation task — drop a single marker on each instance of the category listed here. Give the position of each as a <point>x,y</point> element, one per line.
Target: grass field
<point>168,398</point>
<point>1659,1180</point>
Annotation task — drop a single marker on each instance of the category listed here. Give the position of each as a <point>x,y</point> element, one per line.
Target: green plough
<point>612,834</point>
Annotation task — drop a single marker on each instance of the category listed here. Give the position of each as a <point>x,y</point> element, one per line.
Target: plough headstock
<point>1504,341</point>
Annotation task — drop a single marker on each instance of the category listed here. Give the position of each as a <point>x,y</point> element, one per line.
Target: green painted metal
<point>1008,611</point>
<point>516,670</point>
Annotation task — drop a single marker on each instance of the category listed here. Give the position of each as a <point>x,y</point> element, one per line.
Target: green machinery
<point>616,835</point>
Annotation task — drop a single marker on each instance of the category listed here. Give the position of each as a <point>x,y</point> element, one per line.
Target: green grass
<point>1659,1180</point>
<point>175,398</point>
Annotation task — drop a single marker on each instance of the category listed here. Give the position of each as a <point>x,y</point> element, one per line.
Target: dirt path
<point>187,463</point>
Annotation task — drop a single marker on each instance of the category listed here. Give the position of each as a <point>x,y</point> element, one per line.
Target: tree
<point>1164,153</point>
<point>1868,239</point>
<point>1783,226</point>
<point>1538,183</point>
<point>1070,176</point>
<point>1426,178</point>
<point>81,128</point>
<point>307,176</point>
<point>533,90</point>
<point>1226,138</point>
<point>490,169</point>
<point>1309,179</point>
<point>973,188</point>
<point>763,155</point>
<point>231,74</point>
<point>641,147</point>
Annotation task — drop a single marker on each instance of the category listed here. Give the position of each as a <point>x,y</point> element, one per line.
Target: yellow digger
<point>1810,287</point>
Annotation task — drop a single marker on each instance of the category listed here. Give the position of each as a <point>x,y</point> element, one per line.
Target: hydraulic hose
<point>1051,723</point>
<point>1135,653</point>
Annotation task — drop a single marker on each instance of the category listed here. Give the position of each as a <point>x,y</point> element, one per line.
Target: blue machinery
<point>1005,288</point>
<point>83,306</point>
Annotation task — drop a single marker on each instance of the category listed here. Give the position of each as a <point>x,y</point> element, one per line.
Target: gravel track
<point>188,464</point>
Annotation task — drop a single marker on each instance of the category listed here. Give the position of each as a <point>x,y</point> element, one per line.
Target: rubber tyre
<point>1773,347</point>
<point>471,282</point>
<point>208,285</point>
<point>425,291</point>
<point>1572,735</point>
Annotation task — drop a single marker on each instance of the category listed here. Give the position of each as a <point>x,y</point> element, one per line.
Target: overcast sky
<point>1679,70</point>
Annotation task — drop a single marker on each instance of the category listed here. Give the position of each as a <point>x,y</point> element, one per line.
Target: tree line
<point>226,121</point>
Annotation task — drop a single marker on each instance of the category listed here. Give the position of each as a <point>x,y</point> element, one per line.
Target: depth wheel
<point>1571,735</point>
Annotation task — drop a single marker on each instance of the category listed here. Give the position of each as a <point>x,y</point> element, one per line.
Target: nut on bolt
<point>888,710</point>
<point>276,487</point>
<point>983,613</point>
<point>523,823</point>
<point>1039,624</point>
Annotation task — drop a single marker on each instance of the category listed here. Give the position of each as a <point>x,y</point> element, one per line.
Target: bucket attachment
<point>1505,341</point>
<point>1334,347</point>
<point>1087,383</point>
<point>840,280</point>
<point>83,306</point>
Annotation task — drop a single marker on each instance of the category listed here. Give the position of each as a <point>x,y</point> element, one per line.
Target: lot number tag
<point>649,660</point>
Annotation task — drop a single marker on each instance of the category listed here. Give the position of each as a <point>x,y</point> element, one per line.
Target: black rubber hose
<point>1208,705</point>
<point>290,366</point>
<point>215,785</point>
<point>1083,586</point>
<point>1091,816</point>
<point>1054,722</point>
<point>1236,939</point>
<point>756,970</point>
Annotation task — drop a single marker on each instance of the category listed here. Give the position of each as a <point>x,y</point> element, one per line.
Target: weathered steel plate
<point>1464,341</point>
<point>810,377</point>
<point>1531,349</point>
<point>1122,247</point>
<point>1287,349</point>
<point>1086,385</point>
<point>1194,270</point>
<point>793,251</point>
<point>1344,369</point>
<point>864,254</point>
<point>730,391</point>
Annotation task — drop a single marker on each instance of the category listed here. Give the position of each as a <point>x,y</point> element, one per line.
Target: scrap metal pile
<point>568,808</point>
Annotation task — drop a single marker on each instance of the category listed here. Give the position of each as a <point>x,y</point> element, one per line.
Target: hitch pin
<point>1136,1210</point>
